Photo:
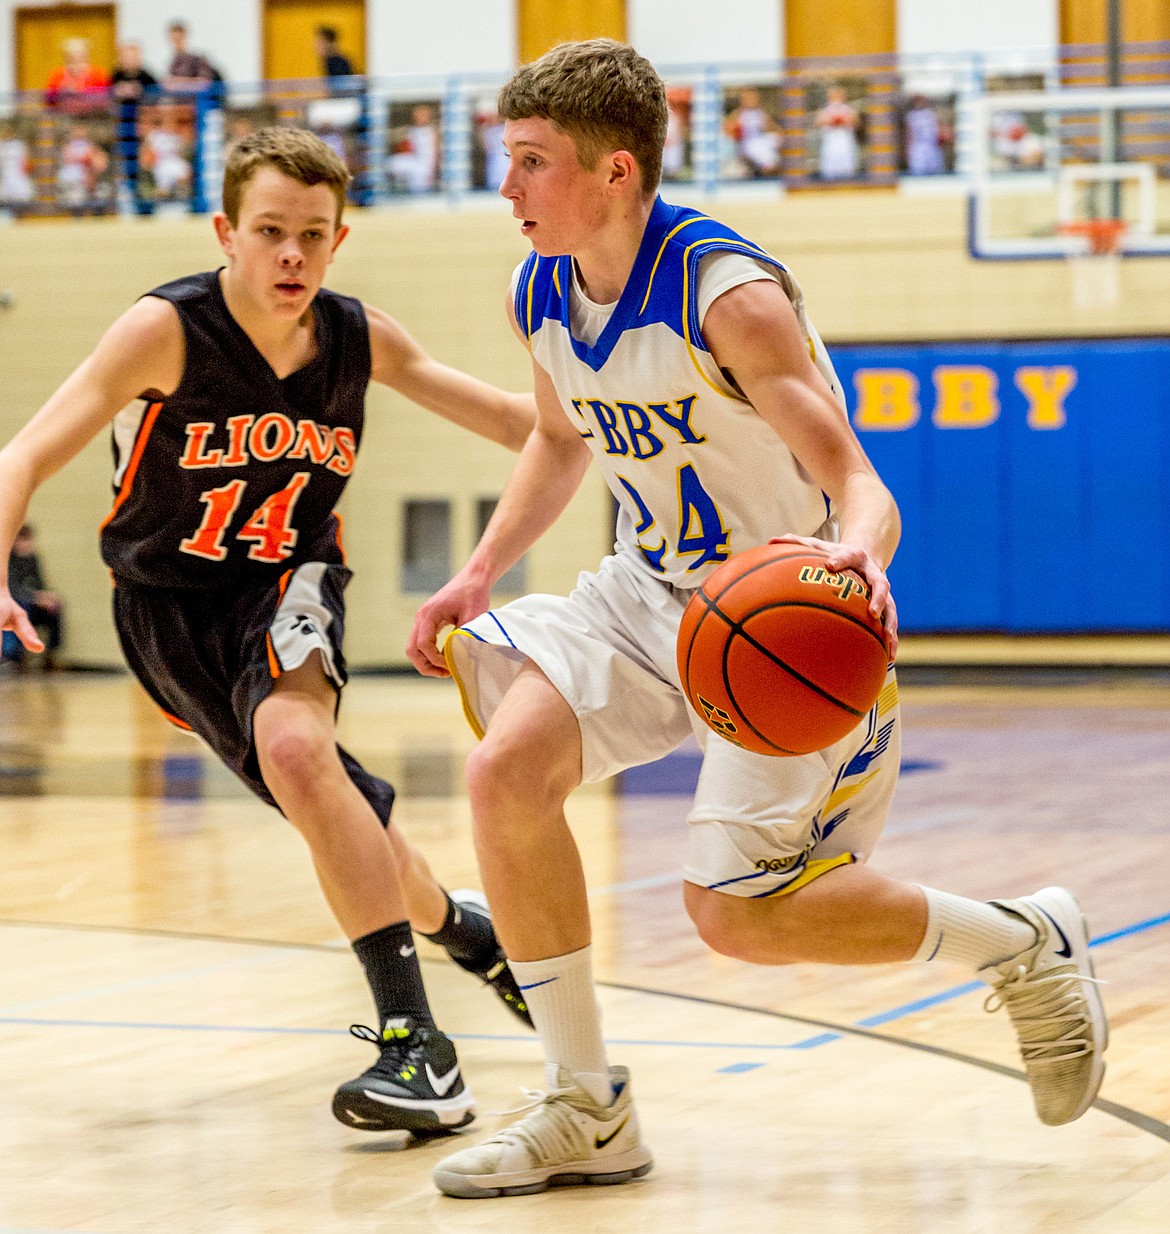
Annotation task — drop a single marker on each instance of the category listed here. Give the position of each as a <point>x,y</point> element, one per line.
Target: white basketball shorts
<point>759,825</point>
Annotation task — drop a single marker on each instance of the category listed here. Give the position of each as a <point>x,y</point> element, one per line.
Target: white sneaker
<point>1051,995</point>
<point>568,1140</point>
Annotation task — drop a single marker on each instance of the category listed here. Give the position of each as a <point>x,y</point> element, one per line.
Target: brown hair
<point>296,153</point>
<point>602,94</point>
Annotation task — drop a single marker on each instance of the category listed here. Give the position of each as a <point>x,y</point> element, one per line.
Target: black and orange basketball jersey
<point>234,477</point>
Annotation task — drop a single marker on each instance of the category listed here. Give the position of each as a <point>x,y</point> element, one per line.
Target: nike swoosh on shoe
<point>442,1083</point>
<point>600,1141</point>
<point>1066,950</point>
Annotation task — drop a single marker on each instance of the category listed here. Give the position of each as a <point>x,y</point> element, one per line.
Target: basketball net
<point>1095,261</point>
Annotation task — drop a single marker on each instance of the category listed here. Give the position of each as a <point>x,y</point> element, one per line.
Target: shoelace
<point>402,1051</point>
<point>532,1098</point>
<point>1034,1003</point>
<point>549,1131</point>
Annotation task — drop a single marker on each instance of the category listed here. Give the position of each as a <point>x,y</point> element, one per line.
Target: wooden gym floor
<point>174,996</point>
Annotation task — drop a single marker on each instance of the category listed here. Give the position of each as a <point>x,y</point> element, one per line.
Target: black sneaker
<point>495,972</point>
<point>414,1086</point>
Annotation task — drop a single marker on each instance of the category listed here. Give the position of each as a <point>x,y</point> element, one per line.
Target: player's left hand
<point>868,568</point>
<point>460,600</point>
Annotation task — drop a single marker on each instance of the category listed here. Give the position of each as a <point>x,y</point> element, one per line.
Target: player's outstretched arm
<point>546,476</point>
<point>753,333</point>
<point>142,351</point>
<point>399,362</point>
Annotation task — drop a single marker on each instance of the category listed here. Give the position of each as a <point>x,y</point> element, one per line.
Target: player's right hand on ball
<point>14,618</point>
<point>462,599</point>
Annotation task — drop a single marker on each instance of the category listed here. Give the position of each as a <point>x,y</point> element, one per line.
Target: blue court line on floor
<point>970,987</point>
<point>819,1039</point>
<point>286,1031</point>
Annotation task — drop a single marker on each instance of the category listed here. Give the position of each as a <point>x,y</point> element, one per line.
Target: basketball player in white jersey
<point>679,356</point>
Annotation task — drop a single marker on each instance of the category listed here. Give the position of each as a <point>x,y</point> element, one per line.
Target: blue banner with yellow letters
<point>1033,480</point>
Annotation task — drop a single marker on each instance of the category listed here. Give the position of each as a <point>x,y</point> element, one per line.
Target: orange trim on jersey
<point>340,546</point>
<point>273,662</point>
<point>176,721</point>
<point>274,668</point>
<point>135,458</point>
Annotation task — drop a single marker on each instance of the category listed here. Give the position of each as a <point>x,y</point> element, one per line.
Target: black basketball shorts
<point>208,658</point>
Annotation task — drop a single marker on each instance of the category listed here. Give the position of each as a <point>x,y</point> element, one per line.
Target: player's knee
<point>506,774</point>
<point>741,929</point>
<point>294,757</point>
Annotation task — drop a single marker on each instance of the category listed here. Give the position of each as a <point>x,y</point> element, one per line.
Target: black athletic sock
<point>391,963</point>
<point>467,937</point>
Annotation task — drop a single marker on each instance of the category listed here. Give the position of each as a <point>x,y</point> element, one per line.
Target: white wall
<point>459,36</point>
<point>227,32</point>
<point>404,36</point>
<point>441,36</point>
<point>977,25</point>
<point>678,32</point>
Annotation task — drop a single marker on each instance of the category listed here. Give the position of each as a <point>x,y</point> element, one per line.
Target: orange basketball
<point>779,655</point>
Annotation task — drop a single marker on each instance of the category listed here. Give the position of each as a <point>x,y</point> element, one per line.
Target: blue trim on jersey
<point>741,878</point>
<point>504,632</point>
<point>676,239</point>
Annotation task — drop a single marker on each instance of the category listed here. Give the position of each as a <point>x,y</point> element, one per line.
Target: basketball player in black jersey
<point>237,401</point>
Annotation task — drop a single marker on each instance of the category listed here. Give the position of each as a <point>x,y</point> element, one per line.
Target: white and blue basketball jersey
<point>697,472</point>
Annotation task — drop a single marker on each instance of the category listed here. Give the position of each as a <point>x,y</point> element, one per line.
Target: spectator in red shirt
<point>77,86</point>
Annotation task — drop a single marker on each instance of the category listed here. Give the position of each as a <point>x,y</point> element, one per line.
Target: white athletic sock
<point>971,932</point>
<point>559,994</point>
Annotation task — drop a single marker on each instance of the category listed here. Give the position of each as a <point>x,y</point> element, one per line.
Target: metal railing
<point>868,120</point>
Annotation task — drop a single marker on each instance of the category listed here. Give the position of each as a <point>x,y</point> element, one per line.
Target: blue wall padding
<point>1046,510</point>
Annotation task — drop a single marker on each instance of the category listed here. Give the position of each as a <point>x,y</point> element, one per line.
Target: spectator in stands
<point>838,122</point>
<point>1019,148</point>
<point>26,582</point>
<point>16,184</point>
<point>491,137</point>
<point>77,86</point>
<point>333,63</point>
<point>190,72</point>
<point>80,171</point>
<point>414,162</point>
<point>130,84</point>
<point>756,135</point>
<point>165,149</point>
<point>924,155</point>
<point>678,123</point>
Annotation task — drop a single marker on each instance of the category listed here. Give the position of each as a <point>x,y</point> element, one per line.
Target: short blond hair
<point>602,94</point>
<point>296,153</point>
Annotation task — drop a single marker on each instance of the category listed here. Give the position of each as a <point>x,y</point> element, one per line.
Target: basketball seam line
<point>737,628</point>
<point>823,608</point>
<point>712,606</point>
<point>768,561</point>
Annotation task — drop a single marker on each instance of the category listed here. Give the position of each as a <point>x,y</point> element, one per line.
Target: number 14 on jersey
<point>269,526</point>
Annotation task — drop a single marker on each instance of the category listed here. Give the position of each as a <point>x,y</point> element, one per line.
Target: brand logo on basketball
<point>717,718</point>
<point>845,585</point>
